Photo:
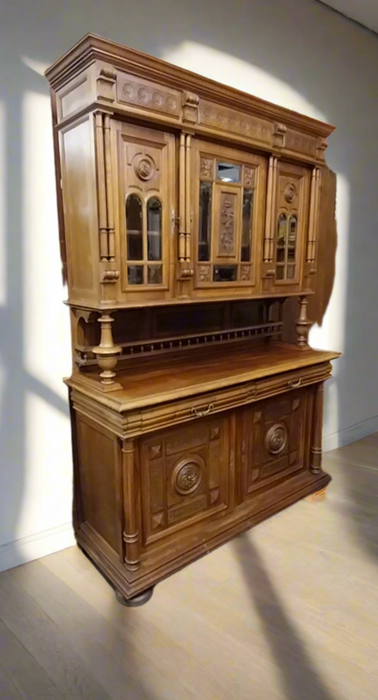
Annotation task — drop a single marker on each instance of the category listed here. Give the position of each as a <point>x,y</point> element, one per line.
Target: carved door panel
<point>146,210</point>
<point>273,441</point>
<point>185,476</point>
<point>229,200</point>
<point>290,225</point>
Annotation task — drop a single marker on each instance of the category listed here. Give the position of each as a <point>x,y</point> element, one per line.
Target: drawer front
<point>273,440</point>
<point>185,476</point>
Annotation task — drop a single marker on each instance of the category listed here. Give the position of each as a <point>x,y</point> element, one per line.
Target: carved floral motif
<point>206,168</point>
<point>227,227</point>
<point>245,273</point>
<point>204,273</point>
<point>249,176</point>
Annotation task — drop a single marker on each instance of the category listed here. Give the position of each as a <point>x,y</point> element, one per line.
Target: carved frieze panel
<point>226,119</point>
<point>302,143</point>
<point>148,95</point>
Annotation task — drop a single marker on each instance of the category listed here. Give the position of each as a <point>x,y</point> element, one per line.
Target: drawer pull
<point>201,414</point>
<point>296,384</point>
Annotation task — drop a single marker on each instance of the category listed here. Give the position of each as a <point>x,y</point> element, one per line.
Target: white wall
<point>297,53</point>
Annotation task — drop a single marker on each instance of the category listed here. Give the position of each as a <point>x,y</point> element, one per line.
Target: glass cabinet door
<point>290,224</point>
<point>146,198</point>
<point>228,215</point>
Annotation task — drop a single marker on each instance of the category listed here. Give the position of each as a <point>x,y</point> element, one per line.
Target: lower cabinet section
<point>148,505</point>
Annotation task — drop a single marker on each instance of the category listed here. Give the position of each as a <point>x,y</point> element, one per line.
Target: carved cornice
<point>93,47</point>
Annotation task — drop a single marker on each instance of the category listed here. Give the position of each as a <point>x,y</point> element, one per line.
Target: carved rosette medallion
<point>290,193</point>
<point>276,438</point>
<point>144,168</point>
<point>186,476</point>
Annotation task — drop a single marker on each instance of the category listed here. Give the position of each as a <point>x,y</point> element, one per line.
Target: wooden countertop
<point>164,379</point>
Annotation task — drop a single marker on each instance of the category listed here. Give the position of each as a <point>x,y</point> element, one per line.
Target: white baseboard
<point>351,434</point>
<point>36,546</point>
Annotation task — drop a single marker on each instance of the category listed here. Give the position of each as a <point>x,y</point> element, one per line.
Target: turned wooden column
<point>107,353</point>
<point>316,436</point>
<point>130,495</point>
<point>303,325</point>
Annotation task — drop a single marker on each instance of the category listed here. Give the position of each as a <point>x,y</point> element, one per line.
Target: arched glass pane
<point>281,238</point>
<point>154,229</point>
<point>292,240</point>
<point>134,228</point>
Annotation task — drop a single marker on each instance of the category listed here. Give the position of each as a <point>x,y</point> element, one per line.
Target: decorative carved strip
<point>302,143</point>
<point>147,95</point>
<point>227,224</point>
<point>226,119</point>
<point>187,510</point>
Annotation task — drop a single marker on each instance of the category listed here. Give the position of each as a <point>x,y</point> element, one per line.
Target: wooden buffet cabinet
<point>189,213</point>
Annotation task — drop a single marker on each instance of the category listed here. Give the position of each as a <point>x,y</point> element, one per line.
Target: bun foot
<point>317,496</point>
<point>137,600</point>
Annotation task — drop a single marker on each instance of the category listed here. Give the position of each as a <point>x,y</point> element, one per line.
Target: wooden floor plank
<point>7,690</point>
<point>29,678</point>
<point>46,642</point>
<point>286,611</point>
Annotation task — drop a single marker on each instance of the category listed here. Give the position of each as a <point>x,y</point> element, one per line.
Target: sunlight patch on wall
<point>47,487</point>
<point>3,212</point>
<point>239,74</point>
<point>38,67</point>
<point>47,350</point>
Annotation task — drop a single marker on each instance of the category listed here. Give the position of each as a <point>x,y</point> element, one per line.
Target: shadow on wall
<point>325,59</point>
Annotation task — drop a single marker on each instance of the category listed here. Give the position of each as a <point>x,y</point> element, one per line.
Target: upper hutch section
<point>177,188</point>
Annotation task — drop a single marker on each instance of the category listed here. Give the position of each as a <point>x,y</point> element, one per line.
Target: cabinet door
<point>273,441</point>
<point>146,202</point>
<point>290,225</point>
<point>185,476</point>
<point>229,196</point>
